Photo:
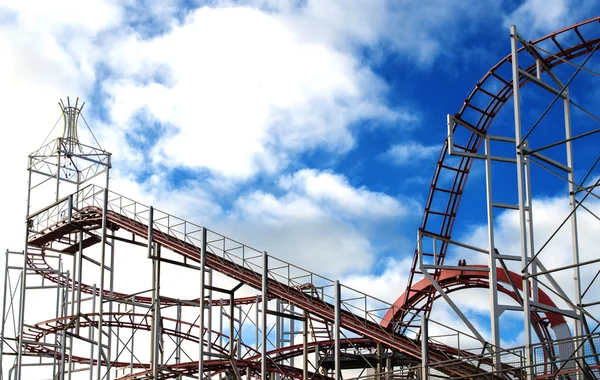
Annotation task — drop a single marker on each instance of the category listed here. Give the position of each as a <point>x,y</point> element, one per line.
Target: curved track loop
<point>276,357</point>
<point>83,218</point>
<point>38,262</point>
<point>216,367</point>
<point>34,335</point>
<point>250,359</point>
<point>444,196</point>
<point>454,280</point>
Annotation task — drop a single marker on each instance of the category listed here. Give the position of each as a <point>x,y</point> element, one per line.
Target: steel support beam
<point>201,316</point>
<point>523,202</point>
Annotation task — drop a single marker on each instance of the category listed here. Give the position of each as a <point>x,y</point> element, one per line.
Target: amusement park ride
<point>197,304</point>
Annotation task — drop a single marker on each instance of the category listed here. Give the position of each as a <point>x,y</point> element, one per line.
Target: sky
<point>309,129</point>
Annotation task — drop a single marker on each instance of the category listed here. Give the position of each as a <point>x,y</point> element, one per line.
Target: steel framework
<point>108,287</point>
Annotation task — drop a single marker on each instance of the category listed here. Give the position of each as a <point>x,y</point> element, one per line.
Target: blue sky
<point>306,128</point>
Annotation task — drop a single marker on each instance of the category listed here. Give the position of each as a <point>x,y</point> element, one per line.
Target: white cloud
<point>335,191</point>
<point>536,18</point>
<point>411,152</point>
<point>417,32</point>
<point>316,223</point>
<point>386,286</point>
<point>241,102</point>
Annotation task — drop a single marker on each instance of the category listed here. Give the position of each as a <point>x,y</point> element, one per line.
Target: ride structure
<point>110,288</point>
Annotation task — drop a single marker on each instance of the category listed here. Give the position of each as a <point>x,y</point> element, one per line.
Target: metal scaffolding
<point>108,287</point>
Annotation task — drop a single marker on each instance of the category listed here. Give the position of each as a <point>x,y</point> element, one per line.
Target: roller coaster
<point>108,287</point>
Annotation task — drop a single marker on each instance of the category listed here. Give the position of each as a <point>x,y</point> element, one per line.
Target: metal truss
<point>470,139</point>
<point>199,304</point>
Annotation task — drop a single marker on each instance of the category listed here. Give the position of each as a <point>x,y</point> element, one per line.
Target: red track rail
<point>456,280</point>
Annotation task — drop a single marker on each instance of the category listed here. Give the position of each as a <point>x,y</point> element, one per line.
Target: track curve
<point>440,221</point>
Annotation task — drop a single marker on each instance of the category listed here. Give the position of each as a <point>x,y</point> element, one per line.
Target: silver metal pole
<point>201,305</point>
<point>178,331</point>
<point>579,331</point>
<point>240,319</point>
<point>424,347</point>
<point>492,275</point>
<point>522,203</point>
<point>210,313</point>
<point>101,293</point>
<point>256,318</point>
<point>221,322</point>
<point>91,334</point>
<point>305,346</point>
<point>3,312</point>
<point>63,343</point>
<point>157,312</point>
<point>79,278</point>
<point>57,311</point>
<point>59,146</point>
<point>336,333</point>
<point>231,326</point>
<point>111,281</point>
<point>265,300</point>
<point>132,339</point>
<point>23,279</point>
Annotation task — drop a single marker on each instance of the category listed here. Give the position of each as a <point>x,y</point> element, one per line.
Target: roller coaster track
<point>476,115</point>
<point>90,217</point>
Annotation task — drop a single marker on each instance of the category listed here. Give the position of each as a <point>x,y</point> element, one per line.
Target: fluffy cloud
<point>239,91</point>
<point>410,152</point>
<point>535,18</point>
<point>319,222</point>
<point>334,190</point>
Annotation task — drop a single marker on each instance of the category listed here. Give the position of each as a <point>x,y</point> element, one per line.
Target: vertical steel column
<point>210,300</point>
<point>221,322</point>
<point>492,275</point>
<point>63,338</point>
<point>528,194</point>
<point>91,333</point>
<point>150,251</point>
<point>522,204</point>
<point>201,305</point>
<point>73,291</point>
<point>579,322</point>
<point>59,145</point>
<point>178,332</point>
<point>424,347</point>
<point>132,338</point>
<point>79,259</point>
<point>265,300</point>
<point>305,346</point>
<point>156,263</point>
<point>101,292</point>
<point>292,336</point>
<point>231,326</point>
<point>23,279</point>
<point>57,315</point>
<point>279,330</point>
<point>111,283</point>
<point>337,325</point>
<point>378,366</point>
<point>240,319</point>
<point>257,318</point>
<point>3,312</point>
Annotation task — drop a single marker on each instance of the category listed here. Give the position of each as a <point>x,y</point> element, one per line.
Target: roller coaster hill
<point>97,292</point>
